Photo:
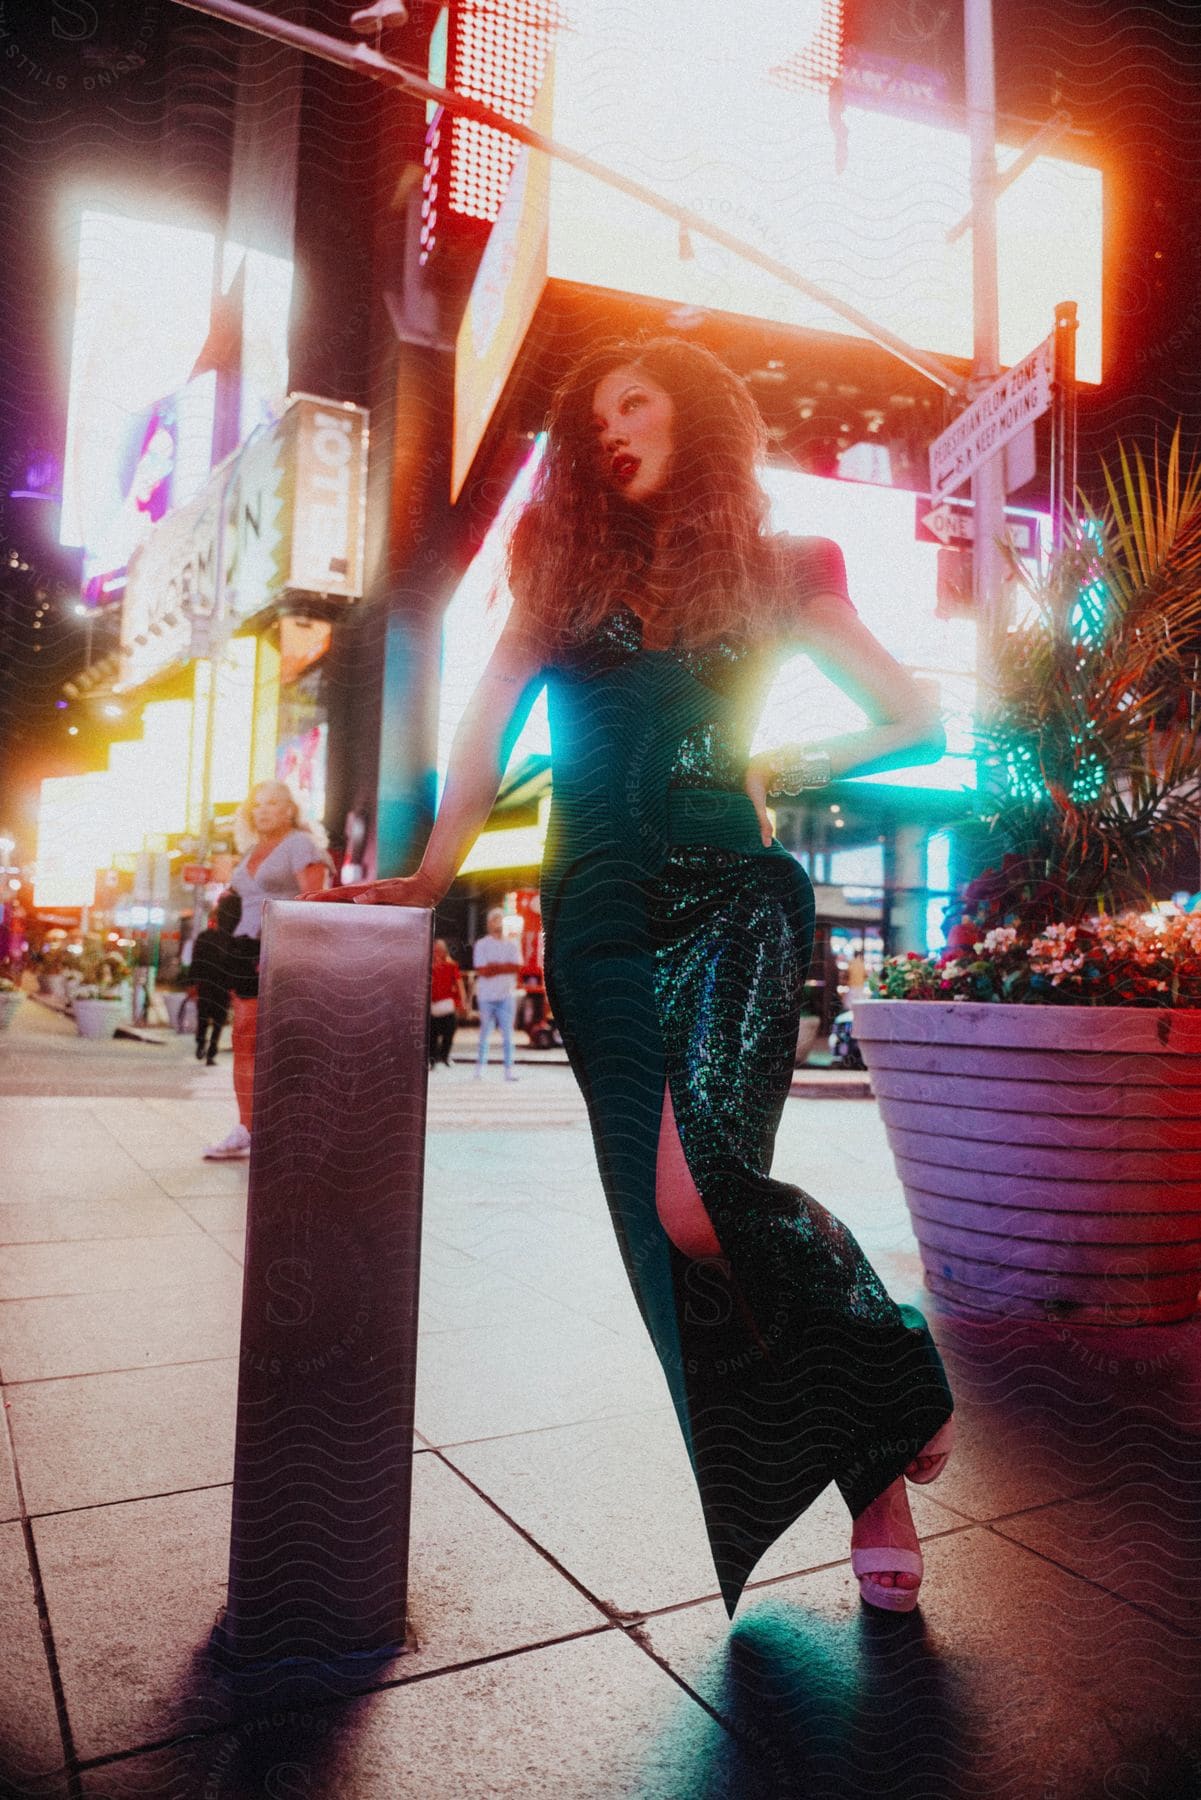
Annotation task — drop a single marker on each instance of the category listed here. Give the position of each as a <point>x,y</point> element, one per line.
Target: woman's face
<point>269,812</point>
<point>634,421</point>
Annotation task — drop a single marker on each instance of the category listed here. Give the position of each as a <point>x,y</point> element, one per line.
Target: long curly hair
<point>580,546</point>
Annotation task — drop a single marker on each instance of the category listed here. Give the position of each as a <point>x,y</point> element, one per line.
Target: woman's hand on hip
<point>399,890</point>
<point>759,772</point>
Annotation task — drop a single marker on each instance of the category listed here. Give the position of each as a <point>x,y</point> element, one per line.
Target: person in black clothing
<point>212,958</point>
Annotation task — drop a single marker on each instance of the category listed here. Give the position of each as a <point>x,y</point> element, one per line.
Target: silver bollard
<point>323,1463</point>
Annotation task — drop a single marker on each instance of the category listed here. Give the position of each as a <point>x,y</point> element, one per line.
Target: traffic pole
<point>1063,422</point>
<point>988,483</point>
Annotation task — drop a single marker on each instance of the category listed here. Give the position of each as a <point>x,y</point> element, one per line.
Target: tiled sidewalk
<point>569,1641</point>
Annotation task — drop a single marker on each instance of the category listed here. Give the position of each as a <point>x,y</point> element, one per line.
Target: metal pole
<point>988,484</point>
<point>370,62</point>
<point>1063,422</point>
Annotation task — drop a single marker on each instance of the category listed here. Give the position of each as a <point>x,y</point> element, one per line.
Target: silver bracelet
<point>806,769</point>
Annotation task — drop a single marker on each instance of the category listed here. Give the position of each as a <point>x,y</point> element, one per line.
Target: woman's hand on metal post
<point>399,890</point>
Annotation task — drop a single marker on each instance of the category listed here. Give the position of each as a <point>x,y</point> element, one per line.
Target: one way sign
<point>953,522</point>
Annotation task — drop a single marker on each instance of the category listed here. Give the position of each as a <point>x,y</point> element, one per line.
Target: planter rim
<point>1162,1030</point>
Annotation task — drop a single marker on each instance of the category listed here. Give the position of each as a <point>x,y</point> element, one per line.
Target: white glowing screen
<point>266,305</point>
<point>688,107</point>
<point>470,629</point>
<point>74,820</point>
<point>142,301</point>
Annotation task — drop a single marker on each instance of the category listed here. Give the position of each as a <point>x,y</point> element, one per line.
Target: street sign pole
<point>988,482</point>
<point>1063,421</point>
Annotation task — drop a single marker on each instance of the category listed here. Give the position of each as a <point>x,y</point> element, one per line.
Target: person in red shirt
<point>447,999</point>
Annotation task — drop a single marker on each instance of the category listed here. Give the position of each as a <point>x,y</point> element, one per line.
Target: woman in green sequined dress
<point>655,607</point>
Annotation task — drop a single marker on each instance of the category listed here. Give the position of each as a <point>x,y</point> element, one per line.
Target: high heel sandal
<point>937,1451</point>
<point>875,1560</point>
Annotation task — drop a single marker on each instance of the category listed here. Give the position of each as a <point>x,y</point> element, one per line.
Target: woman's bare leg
<point>245,1030</point>
<point>681,1210</point>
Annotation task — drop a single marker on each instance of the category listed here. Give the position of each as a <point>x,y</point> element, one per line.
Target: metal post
<point>1063,422</point>
<point>988,484</point>
<point>323,1461</point>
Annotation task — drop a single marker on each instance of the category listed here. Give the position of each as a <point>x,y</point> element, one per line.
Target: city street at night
<point>565,1640</point>
<point>600,900</point>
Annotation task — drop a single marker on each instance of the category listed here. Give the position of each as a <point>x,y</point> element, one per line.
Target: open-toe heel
<point>867,1563</point>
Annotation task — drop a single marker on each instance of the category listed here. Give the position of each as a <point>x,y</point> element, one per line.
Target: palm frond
<point>1092,731</point>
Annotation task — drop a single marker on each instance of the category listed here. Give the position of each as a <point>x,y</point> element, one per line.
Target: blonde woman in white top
<point>282,861</point>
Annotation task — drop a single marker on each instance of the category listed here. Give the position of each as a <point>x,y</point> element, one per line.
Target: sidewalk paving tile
<point>63,1221</point>
<point>29,1271</point>
<point>1013,1680</point>
<point>32,1759</point>
<point>1141,1539</point>
<point>590,1719</point>
<point>132,1592</point>
<point>615,1503</point>
<point>191,1177</point>
<point>477,1295</point>
<point>225,1211</point>
<point>232,1242</point>
<point>76,1157</point>
<point>504,1379</point>
<point>10,1503</point>
<point>90,1439</point>
<point>90,1334</point>
<point>569,1258</point>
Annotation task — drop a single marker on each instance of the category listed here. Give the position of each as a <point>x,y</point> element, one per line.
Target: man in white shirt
<point>497,964</point>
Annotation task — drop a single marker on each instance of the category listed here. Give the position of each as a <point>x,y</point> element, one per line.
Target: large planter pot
<point>98,1018</point>
<point>1051,1156</point>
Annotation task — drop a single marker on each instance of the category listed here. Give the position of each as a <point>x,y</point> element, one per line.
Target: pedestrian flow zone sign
<point>1013,401</point>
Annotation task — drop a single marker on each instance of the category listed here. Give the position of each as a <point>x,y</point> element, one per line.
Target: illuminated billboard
<point>893,579</point>
<point>504,298</point>
<point>863,211</point>
<point>471,626</point>
<point>139,428</point>
<point>295,517</point>
<point>142,301</point>
<point>266,305</point>
<point>162,460</point>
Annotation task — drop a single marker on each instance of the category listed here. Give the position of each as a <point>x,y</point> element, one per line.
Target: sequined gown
<point>676,950</point>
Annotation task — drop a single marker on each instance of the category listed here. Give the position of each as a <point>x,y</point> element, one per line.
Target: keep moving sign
<point>1013,401</point>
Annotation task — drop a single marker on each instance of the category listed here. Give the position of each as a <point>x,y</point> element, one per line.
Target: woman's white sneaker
<point>237,1144</point>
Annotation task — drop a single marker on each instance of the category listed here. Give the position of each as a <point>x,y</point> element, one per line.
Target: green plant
<point>1093,731</point>
<point>102,971</point>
